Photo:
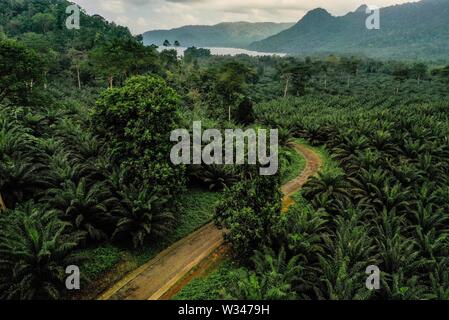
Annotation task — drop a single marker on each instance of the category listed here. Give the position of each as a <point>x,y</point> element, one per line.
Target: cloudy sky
<point>144,15</point>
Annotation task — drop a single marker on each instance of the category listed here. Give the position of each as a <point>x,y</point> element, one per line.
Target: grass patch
<point>292,164</point>
<point>210,287</point>
<point>100,259</point>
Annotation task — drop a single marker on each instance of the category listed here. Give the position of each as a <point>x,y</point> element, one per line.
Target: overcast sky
<point>145,15</point>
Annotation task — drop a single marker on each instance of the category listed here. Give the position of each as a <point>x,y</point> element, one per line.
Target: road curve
<point>153,279</point>
<point>313,164</point>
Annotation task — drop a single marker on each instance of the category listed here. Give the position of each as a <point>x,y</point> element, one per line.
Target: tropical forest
<point>93,207</point>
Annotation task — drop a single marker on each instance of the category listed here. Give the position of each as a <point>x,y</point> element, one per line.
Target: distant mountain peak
<point>318,12</point>
<point>316,15</point>
<point>362,8</point>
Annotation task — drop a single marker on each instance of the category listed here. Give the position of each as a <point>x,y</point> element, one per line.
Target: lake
<point>226,51</point>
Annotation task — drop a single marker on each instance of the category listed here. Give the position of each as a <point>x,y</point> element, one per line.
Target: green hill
<point>34,21</point>
<point>234,34</point>
<point>412,30</point>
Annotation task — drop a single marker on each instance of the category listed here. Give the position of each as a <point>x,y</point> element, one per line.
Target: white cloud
<point>144,15</point>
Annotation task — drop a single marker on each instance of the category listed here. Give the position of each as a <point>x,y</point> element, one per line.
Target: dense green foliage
<point>20,69</point>
<point>248,211</point>
<point>85,122</point>
<point>56,159</point>
<point>137,119</point>
<point>382,208</point>
<point>36,249</point>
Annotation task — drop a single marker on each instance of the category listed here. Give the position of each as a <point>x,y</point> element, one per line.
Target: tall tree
<point>43,22</point>
<point>401,72</point>
<point>351,67</point>
<point>43,46</point>
<point>121,58</point>
<point>2,203</point>
<point>232,82</point>
<point>77,58</point>
<point>20,69</point>
<point>296,75</point>
<point>137,120</point>
<point>419,71</point>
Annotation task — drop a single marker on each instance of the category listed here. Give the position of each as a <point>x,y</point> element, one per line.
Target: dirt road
<point>152,280</point>
<point>313,164</point>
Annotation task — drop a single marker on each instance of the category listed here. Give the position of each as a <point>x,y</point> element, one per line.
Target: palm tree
<point>398,254</point>
<point>403,287</point>
<point>331,182</point>
<point>15,171</point>
<point>35,249</point>
<point>62,166</point>
<point>285,137</point>
<point>302,231</point>
<point>349,148</point>
<point>439,279</point>
<point>142,214</point>
<point>215,177</point>
<point>86,207</point>
<point>428,217</point>
<point>20,178</point>
<point>274,278</point>
<point>14,138</point>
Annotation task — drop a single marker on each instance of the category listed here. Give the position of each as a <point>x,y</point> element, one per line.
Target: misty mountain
<point>234,34</point>
<point>411,30</point>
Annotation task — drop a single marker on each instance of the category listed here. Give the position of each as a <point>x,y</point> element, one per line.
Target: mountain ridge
<point>410,30</point>
<point>225,34</point>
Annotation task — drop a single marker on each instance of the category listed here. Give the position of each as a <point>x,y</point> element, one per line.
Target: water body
<point>226,52</point>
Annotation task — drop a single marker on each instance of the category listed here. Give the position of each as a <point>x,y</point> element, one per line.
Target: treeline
<point>98,51</point>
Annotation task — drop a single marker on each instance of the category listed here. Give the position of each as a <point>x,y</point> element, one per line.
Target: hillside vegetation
<point>232,34</point>
<point>412,30</point>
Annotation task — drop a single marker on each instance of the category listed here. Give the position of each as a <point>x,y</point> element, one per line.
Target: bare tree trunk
<point>286,87</point>
<point>325,81</point>
<point>2,203</point>
<point>78,77</point>
<point>45,80</point>
<point>349,78</point>
<point>229,107</point>
<point>111,82</point>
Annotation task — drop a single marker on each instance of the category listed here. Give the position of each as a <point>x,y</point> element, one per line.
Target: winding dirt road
<point>155,278</point>
<point>313,164</point>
